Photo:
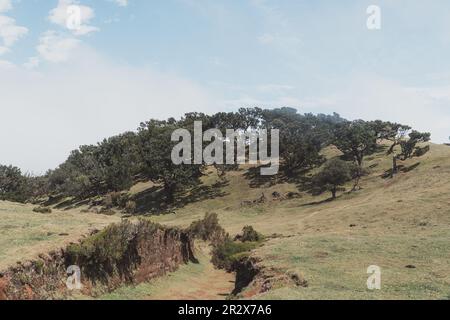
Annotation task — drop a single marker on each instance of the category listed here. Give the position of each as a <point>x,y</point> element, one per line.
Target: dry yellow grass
<point>395,223</point>
<point>391,223</point>
<point>25,234</point>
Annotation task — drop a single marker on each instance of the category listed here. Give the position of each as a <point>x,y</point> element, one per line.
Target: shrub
<point>112,251</point>
<point>333,176</point>
<point>249,235</point>
<point>42,210</point>
<point>104,253</point>
<point>208,229</point>
<point>226,254</point>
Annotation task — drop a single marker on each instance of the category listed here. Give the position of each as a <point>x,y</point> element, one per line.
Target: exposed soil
<point>213,284</point>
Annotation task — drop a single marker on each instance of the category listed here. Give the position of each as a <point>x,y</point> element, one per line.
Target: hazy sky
<point>132,60</point>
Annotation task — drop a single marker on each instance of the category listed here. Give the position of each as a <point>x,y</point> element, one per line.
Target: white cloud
<point>361,96</point>
<point>61,16</point>
<point>56,47</point>
<point>370,97</point>
<point>10,32</point>
<point>82,102</point>
<point>121,3</point>
<point>5,5</point>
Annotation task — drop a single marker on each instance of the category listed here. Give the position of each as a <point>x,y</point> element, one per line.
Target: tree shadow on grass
<point>257,180</point>
<point>154,201</point>
<point>400,168</point>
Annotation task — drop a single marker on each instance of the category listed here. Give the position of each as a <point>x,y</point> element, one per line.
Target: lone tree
<point>409,147</point>
<point>333,176</point>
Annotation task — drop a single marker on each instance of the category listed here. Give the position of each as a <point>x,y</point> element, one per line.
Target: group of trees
<point>357,139</point>
<point>116,163</point>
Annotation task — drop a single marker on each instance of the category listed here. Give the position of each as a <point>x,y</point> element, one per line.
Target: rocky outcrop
<point>126,253</point>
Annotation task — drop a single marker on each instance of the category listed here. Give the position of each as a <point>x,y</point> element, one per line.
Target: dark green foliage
<point>226,254</point>
<point>94,170</point>
<point>249,235</point>
<point>115,164</point>
<point>156,148</point>
<point>355,139</point>
<point>111,251</point>
<point>301,137</point>
<point>334,174</point>
<point>13,185</point>
<point>409,147</point>
<point>208,229</point>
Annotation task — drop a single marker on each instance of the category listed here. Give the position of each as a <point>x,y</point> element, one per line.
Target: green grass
<point>336,265</point>
<point>395,222</point>
<point>25,234</point>
<point>398,222</point>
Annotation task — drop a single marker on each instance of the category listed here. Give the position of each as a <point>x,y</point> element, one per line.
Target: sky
<point>66,81</point>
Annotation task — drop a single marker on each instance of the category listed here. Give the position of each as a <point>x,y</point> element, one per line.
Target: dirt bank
<point>121,254</point>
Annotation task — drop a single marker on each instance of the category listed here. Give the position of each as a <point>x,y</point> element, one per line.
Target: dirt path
<point>212,284</point>
<point>195,281</point>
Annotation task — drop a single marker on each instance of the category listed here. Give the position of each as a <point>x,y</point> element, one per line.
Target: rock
<point>410,266</point>
<point>276,195</point>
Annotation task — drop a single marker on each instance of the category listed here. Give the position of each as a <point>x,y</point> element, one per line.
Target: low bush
<point>42,210</point>
<point>208,229</point>
<point>104,253</point>
<point>249,234</point>
<point>226,254</point>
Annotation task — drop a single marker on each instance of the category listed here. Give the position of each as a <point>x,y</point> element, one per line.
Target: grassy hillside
<point>24,234</point>
<point>392,223</point>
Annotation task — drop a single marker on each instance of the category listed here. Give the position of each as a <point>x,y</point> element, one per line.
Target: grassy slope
<point>24,234</point>
<point>399,222</point>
